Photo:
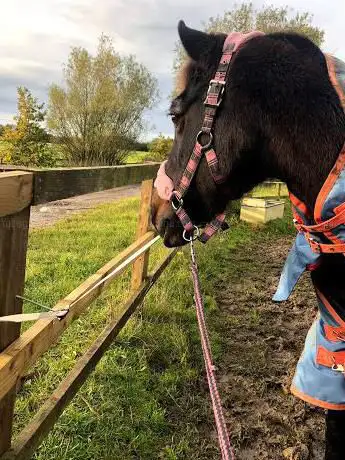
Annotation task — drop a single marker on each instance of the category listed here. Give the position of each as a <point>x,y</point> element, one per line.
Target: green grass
<point>268,190</point>
<point>146,398</point>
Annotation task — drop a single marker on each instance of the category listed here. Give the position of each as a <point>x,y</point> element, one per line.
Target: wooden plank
<point>23,353</point>
<point>15,168</point>
<point>56,184</point>
<point>30,438</point>
<point>140,266</point>
<point>13,245</point>
<point>15,191</point>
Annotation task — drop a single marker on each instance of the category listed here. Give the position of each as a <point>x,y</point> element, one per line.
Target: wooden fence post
<point>15,198</point>
<point>140,266</point>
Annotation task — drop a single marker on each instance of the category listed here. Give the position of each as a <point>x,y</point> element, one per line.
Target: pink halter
<point>163,183</point>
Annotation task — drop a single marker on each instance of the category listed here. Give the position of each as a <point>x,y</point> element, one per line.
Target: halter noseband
<point>213,100</point>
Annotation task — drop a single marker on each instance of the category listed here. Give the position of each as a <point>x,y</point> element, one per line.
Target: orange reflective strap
<point>330,359</point>
<point>328,185</point>
<point>339,209</point>
<point>326,225</point>
<point>300,206</point>
<point>334,334</point>
<point>321,248</point>
<point>322,298</point>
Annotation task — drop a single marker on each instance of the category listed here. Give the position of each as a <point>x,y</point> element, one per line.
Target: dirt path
<point>50,213</point>
<point>263,343</point>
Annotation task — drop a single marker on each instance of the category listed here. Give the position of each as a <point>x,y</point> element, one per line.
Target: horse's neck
<point>308,170</point>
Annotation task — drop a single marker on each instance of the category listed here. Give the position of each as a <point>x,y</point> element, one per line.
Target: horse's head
<point>278,100</point>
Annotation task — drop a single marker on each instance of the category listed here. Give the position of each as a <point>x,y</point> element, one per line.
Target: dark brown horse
<point>280,117</point>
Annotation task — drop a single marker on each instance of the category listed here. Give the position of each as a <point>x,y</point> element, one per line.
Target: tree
<point>244,18</point>
<point>27,141</point>
<point>99,112</point>
<point>160,147</point>
<point>7,126</point>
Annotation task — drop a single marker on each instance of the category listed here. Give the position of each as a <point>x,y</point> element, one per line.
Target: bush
<point>140,146</point>
<point>160,147</point>
<point>27,142</point>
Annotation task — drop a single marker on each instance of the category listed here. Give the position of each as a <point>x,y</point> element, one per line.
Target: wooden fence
<point>57,183</point>
<point>18,191</point>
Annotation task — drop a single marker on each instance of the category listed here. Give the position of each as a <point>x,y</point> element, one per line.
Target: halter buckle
<point>215,88</point>
<point>176,201</point>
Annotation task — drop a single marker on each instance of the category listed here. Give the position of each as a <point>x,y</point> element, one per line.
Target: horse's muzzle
<point>166,223</point>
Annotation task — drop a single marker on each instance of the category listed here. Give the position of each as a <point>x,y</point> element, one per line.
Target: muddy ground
<point>48,214</point>
<point>263,343</point>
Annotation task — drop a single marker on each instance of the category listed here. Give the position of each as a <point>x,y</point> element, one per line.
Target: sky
<point>36,37</point>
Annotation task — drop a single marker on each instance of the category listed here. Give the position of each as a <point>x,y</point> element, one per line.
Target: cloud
<point>36,37</point>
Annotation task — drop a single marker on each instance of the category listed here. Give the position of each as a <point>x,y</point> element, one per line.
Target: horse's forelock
<point>182,76</point>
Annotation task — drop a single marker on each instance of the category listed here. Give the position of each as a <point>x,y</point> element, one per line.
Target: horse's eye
<point>178,121</point>
<point>174,119</point>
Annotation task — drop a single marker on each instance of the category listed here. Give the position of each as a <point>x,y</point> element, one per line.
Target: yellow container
<point>261,210</point>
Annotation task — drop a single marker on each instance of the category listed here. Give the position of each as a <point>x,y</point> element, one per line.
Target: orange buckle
<point>334,334</point>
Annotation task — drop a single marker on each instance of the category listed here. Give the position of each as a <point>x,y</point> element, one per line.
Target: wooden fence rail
<point>22,353</point>
<point>58,183</point>
<point>31,436</point>
<point>18,191</point>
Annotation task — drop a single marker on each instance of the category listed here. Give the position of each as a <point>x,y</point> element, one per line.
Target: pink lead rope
<point>223,436</point>
<point>166,191</point>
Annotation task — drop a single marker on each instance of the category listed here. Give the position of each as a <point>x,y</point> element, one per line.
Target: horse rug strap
<point>319,377</point>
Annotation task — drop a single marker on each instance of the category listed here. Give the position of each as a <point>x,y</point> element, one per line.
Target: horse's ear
<point>195,43</point>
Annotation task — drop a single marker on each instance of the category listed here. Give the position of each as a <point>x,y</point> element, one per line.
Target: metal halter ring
<point>194,234</point>
<point>210,139</point>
